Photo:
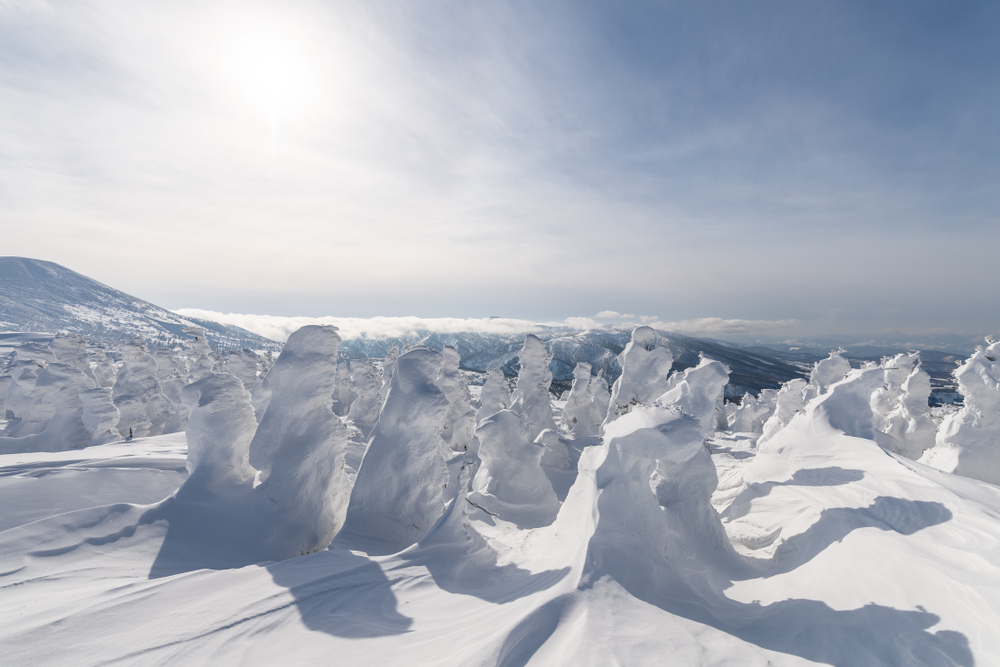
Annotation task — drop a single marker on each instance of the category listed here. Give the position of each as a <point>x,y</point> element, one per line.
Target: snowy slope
<point>662,541</point>
<point>46,297</point>
<point>869,560</point>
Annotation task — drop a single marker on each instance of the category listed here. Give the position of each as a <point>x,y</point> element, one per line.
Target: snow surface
<point>662,541</point>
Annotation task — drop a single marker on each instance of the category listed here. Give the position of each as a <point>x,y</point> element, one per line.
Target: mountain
<point>46,297</point>
<point>752,370</point>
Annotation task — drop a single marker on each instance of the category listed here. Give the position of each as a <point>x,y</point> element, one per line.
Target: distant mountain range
<point>39,296</point>
<point>46,297</point>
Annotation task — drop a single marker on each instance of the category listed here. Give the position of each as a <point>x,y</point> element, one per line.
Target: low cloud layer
<point>278,328</point>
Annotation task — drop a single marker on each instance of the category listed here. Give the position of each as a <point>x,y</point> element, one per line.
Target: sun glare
<point>272,75</point>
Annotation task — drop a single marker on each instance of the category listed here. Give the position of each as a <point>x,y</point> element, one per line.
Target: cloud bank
<point>278,327</point>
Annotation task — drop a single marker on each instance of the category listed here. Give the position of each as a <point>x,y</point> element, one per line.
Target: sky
<point>783,167</point>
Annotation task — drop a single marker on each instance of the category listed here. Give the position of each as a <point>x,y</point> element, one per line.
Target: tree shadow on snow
<point>831,476</point>
<point>871,635</point>
<point>461,562</point>
<point>336,592</point>
<point>885,513</point>
<point>342,594</point>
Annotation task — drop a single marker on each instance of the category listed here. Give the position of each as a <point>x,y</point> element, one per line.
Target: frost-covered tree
<point>968,441</point>
<point>698,392</point>
<point>753,412</point>
<point>300,444</point>
<point>72,349</point>
<point>219,432</point>
<point>644,374</point>
<point>460,418</point>
<point>530,399</point>
<point>366,386</point>
<point>902,413</point>
<point>510,483</point>
<point>789,402</point>
<point>829,371</point>
<point>52,410</point>
<point>402,485</point>
<point>243,364</point>
<point>137,393</point>
<point>586,404</point>
<point>200,360</point>
<point>104,369</point>
<point>495,395</point>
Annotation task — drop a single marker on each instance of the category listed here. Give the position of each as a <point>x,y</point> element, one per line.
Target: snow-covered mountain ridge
<point>43,296</point>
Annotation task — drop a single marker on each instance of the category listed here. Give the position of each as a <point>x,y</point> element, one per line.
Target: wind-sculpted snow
<point>510,483</point>
<point>699,392</point>
<point>300,444</point>
<point>460,418</point>
<point>753,412</point>
<point>402,485</point>
<point>219,431</point>
<point>495,395</point>
<point>48,411</point>
<point>137,393</point>
<point>644,374</point>
<point>530,399</point>
<point>968,441</point>
<point>587,403</point>
<point>662,541</point>
<point>901,408</point>
<point>365,385</point>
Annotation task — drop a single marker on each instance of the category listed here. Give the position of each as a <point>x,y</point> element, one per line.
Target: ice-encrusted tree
<point>344,395</point>
<point>644,374</point>
<point>402,485</point>
<point>586,404</point>
<point>698,391</point>
<point>901,406</point>
<point>72,349</point>
<point>104,369</point>
<point>366,387</point>
<point>460,418</point>
<point>828,371</point>
<point>52,410</point>
<point>138,395</point>
<point>510,483</point>
<point>299,445</point>
<point>100,416</point>
<point>790,401</point>
<point>531,399</point>
<point>495,395</point>
<point>219,432</point>
<point>968,441</point>
<point>244,364</point>
<point>753,412</point>
<point>198,353</point>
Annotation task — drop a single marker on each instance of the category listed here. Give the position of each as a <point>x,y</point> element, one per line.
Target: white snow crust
<point>810,536</point>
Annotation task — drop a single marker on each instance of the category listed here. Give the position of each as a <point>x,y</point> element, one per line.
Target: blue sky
<point>831,163</point>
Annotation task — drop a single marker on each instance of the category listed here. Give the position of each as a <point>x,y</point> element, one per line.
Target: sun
<point>272,74</point>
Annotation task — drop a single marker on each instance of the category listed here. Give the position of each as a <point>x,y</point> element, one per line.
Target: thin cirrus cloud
<point>535,160</point>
